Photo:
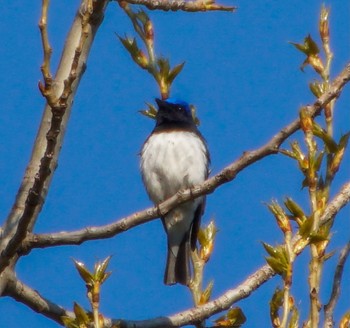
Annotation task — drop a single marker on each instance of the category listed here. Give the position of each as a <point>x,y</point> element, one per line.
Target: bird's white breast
<point>171,161</point>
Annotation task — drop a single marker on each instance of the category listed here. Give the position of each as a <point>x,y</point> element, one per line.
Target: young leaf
<point>205,296</point>
<point>174,72</point>
<point>84,273</point>
<point>130,45</point>
<point>206,239</point>
<point>309,47</point>
<point>234,318</point>
<point>164,67</point>
<point>280,216</point>
<point>317,88</point>
<point>345,320</point>
<point>142,16</point>
<point>151,112</point>
<point>295,209</point>
<point>194,116</point>
<point>275,304</point>
<point>326,138</point>
<point>278,260</point>
<point>270,249</point>
<point>100,270</point>
<point>338,156</point>
<point>69,322</point>
<point>305,228</point>
<point>294,319</point>
<point>80,314</point>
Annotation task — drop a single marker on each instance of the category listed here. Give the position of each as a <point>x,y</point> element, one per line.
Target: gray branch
<point>30,297</point>
<point>227,174</point>
<point>175,5</point>
<point>48,143</point>
<point>330,306</point>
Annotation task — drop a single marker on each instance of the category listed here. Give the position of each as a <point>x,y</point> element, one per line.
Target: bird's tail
<point>178,269</point>
<point>178,265</point>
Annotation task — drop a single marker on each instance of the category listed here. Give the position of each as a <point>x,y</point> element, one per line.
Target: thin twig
<point>30,297</point>
<point>102,232</point>
<point>227,174</point>
<point>338,202</point>
<point>46,89</point>
<point>330,306</point>
<point>315,262</point>
<point>38,175</point>
<point>200,313</point>
<point>175,5</point>
<point>341,199</point>
<point>226,300</point>
<point>287,306</point>
<point>24,294</point>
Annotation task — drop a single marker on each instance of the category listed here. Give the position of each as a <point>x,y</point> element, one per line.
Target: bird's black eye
<point>180,109</point>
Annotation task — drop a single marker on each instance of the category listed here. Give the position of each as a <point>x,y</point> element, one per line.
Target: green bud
<point>306,228</point>
<point>151,112</point>
<point>205,296</point>
<point>233,318</point>
<point>206,238</point>
<point>305,120</point>
<point>275,304</point>
<point>294,319</point>
<point>80,314</point>
<point>280,216</point>
<point>174,72</point>
<point>339,153</point>
<point>309,47</point>
<point>317,88</point>
<point>295,210</point>
<point>324,136</point>
<point>100,274</point>
<point>324,24</point>
<point>84,273</point>
<point>278,260</point>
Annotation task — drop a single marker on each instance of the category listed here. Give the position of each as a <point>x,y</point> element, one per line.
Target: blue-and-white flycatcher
<point>174,157</point>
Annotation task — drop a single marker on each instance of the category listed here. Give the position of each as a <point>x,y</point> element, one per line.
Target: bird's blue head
<point>174,113</point>
<point>178,102</point>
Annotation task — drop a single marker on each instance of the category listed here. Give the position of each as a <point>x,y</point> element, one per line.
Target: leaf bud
<point>324,24</point>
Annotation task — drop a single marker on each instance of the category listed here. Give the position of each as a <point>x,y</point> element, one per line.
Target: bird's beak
<point>160,102</point>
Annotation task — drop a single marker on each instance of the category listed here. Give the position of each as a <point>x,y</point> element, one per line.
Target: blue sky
<point>245,81</point>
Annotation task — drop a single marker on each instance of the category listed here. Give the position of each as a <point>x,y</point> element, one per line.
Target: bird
<point>175,156</point>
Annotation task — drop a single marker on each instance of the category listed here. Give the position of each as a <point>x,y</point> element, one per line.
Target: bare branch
<point>240,292</point>
<point>198,314</point>
<point>339,201</point>
<point>30,297</point>
<point>209,186</point>
<point>253,282</point>
<point>46,89</point>
<point>26,295</point>
<point>330,306</point>
<point>89,233</point>
<point>175,5</point>
<point>43,162</point>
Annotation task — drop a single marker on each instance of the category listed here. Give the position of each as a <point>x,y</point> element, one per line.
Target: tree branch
<point>339,201</point>
<point>227,174</point>
<point>205,311</point>
<point>198,314</point>
<point>253,282</point>
<point>30,297</point>
<point>330,306</point>
<point>175,5</point>
<point>39,172</point>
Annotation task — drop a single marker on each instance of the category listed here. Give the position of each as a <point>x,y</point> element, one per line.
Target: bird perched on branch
<point>174,157</point>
